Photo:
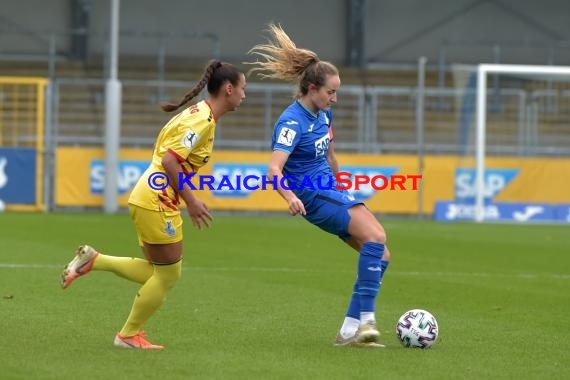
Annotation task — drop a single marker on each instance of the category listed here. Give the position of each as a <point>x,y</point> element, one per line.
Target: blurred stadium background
<point>397,113</point>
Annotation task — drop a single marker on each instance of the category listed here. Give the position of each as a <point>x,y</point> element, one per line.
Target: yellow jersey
<point>189,136</point>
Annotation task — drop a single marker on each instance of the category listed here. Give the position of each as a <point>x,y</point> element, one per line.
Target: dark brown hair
<point>215,75</point>
<point>282,59</point>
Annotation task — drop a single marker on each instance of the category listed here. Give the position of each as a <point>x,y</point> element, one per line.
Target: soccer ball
<point>417,328</point>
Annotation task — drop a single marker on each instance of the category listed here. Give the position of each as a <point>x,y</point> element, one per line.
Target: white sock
<point>349,327</point>
<point>367,316</point>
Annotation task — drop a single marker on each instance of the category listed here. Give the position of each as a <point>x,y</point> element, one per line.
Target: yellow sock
<point>150,296</point>
<point>133,269</point>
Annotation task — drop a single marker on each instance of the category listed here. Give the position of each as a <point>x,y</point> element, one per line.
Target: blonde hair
<point>282,59</point>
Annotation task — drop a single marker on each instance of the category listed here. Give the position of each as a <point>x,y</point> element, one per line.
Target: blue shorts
<point>328,210</point>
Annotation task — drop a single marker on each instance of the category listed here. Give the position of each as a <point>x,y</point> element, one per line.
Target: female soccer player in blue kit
<point>303,150</point>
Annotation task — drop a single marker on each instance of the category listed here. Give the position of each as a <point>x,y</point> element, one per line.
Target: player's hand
<point>296,207</point>
<point>200,214</point>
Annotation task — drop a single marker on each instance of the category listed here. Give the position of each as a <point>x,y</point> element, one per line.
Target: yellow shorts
<point>156,227</point>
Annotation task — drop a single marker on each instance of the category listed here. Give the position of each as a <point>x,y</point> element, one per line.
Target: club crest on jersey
<point>190,139</point>
<point>286,136</point>
<point>169,228</point>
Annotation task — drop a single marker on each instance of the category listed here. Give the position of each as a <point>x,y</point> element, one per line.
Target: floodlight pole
<point>112,116</point>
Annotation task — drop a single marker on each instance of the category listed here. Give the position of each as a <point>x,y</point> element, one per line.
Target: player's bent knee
<point>370,234</point>
<point>377,236</point>
<point>169,274</point>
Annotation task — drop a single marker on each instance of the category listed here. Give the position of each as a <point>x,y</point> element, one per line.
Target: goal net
<point>515,159</point>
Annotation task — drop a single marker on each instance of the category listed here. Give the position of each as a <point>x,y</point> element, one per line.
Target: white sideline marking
<point>304,270</point>
<point>30,266</point>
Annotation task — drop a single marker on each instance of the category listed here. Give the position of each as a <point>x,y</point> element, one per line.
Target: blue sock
<point>369,274</point>
<point>384,265</point>
<point>354,306</point>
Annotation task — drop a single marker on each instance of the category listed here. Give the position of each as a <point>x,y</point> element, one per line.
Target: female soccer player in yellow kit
<point>183,145</point>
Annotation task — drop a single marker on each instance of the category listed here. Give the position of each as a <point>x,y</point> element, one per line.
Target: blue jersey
<point>306,137</point>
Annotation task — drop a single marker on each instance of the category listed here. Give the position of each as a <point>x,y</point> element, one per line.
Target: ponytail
<point>208,72</point>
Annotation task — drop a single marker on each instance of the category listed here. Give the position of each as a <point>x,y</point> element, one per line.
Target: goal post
<point>22,143</point>
<point>483,70</point>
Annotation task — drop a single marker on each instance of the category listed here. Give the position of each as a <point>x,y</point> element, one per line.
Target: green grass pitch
<point>263,298</point>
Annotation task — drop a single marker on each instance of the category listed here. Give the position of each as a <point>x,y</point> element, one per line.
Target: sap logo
<point>129,174</point>
<point>467,212</point>
<point>238,180</point>
<point>322,145</point>
<point>495,180</point>
<point>366,191</point>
